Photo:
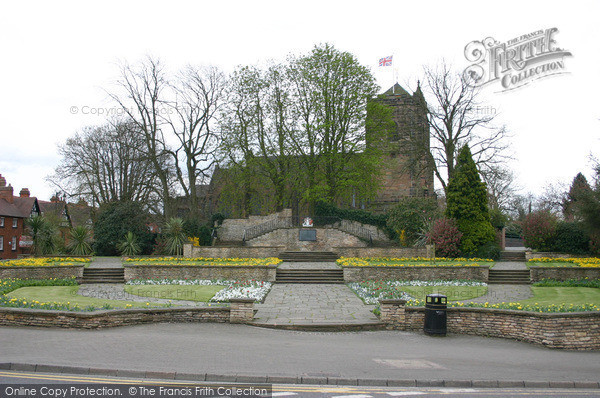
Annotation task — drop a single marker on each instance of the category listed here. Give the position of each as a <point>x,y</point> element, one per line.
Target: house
<point>14,211</point>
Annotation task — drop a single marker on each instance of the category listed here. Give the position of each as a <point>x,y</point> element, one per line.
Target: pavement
<point>306,305</point>
<point>510,265</point>
<point>106,262</point>
<point>225,352</point>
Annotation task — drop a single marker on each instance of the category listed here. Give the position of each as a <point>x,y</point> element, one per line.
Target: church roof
<point>396,89</point>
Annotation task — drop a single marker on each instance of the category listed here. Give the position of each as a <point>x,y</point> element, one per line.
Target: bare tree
<point>199,93</point>
<point>103,164</point>
<point>501,187</point>
<point>457,118</point>
<point>141,96</point>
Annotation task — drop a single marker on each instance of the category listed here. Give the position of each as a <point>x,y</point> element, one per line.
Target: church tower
<point>405,150</point>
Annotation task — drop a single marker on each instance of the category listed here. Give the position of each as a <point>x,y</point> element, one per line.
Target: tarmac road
<point>224,349</point>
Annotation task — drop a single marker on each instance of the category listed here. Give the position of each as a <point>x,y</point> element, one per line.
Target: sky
<point>60,58</point>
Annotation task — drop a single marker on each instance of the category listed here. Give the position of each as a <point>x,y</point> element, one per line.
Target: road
<point>225,349</point>
<point>57,382</point>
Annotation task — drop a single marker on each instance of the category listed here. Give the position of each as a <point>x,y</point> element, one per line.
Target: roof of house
<point>10,209</point>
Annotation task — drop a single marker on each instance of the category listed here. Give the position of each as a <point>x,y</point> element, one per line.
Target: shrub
<point>539,229</point>
<point>570,237</point>
<point>115,221</point>
<point>489,250</point>
<point>410,216</point>
<point>81,241</point>
<point>446,237</point>
<point>476,234</point>
<point>514,230</point>
<point>466,199</point>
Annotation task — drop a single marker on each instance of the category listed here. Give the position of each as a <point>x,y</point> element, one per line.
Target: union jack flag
<point>387,61</point>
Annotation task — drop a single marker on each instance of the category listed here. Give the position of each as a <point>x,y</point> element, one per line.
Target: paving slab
<point>302,304</point>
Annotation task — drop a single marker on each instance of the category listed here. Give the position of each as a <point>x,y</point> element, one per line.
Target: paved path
<point>313,304</point>
<point>504,294</point>
<point>106,262</point>
<point>510,265</point>
<point>115,291</point>
<point>240,349</point>
<point>308,265</point>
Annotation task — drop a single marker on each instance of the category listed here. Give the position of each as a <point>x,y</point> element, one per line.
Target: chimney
<point>6,192</point>
<point>24,193</point>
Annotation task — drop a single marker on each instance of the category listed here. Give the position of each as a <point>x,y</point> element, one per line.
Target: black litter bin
<point>435,314</point>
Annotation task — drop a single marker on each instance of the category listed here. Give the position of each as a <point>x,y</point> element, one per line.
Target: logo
<point>308,222</point>
<point>515,63</point>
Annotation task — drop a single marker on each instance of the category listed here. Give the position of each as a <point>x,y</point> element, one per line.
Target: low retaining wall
<point>358,274</point>
<point>54,271</point>
<point>109,318</point>
<point>237,272</point>
<point>231,251</point>
<point>563,273</point>
<point>393,252</point>
<point>575,330</point>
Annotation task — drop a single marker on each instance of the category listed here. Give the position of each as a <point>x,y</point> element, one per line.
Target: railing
<point>346,226</point>
<point>266,227</point>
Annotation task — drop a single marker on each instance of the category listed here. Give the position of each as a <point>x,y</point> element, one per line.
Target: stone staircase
<point>509,277</point>
<point>310,257</point>
<point>508,255</point>
<point>328,276</point>
<point>103,275</point>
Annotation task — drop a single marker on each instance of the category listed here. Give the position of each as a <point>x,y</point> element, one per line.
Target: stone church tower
<point>405,151</point>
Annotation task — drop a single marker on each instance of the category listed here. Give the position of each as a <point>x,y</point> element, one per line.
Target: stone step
<point>310,276</point>
<point>509,277</point>
<point>308,256</point>
<point>103,275</point>
<point>512,256</point>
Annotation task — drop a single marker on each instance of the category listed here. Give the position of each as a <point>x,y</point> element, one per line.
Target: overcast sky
<point>59,57</point>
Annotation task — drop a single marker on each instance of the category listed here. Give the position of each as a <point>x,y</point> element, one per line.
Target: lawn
<point>175,292</point>
<point>68,294</point>
<point>563,295</point>
<point>454,293</point>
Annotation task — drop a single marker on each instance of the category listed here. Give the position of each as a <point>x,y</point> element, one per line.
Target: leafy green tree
<point>80,243</point>
<point>175,236</point>
<point>579,190</point>
<point>467,203</point>
<point>129,245</point>
<point>114,221</point>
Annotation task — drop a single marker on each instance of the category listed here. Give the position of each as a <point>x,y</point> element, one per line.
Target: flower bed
<point>45,261</point>
<point>204,261</point>
<point>584,262</point>
<point>412,262</point>
<point>373,291</point>
<point>249,289</point>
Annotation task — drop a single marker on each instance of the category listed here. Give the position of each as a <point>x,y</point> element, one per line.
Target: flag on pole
<point>387,61</point>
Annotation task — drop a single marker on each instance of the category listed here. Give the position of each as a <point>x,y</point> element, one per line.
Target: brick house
<point>14,211</point>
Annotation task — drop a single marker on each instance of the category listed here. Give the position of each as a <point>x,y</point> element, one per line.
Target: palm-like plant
<point>174,236</point>
<point>129,246</point>
<point>81,241</point>
<point>43,234</point>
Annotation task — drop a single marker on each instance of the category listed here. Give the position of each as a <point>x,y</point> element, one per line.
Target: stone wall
<point>231,251</point>
<point>578,331</point>
<point>358,274</point>
<point>232,229</point>
<point>55,271</point>
<point>261,273</point>
<point>327,238</point>
<point>392,252</point>
<point>110,318</point>
<point>563,273</point>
